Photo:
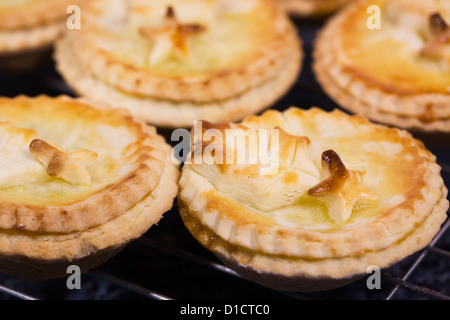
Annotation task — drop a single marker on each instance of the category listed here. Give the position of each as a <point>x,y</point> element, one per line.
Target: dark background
<point>168,263</point>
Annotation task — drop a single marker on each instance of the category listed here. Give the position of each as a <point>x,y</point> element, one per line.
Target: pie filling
<point>15,3</point>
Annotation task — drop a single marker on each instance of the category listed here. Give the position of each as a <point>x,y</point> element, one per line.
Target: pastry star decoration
<point>439,44</point>
<point>67,166</point>
<point>170,37</point>
<point>341,188</point>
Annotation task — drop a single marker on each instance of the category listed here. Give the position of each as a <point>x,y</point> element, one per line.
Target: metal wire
<point>415,287</point>
<point>16,294</point>
<point>417,263</point>
<point>440,251</point>
<point>129,286</point>
<point>196,259</point>
<point>207,263</point>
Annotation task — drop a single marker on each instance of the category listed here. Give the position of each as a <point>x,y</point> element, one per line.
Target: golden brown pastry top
<point>148,35</point>
<point>408,54</point>
<point>28,14</point>
<point>294,172</point>
<point>187,50</point>
<point>341,185</point>
<point>67,166</point>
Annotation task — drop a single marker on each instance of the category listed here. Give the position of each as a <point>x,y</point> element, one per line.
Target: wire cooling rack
<point>168,264</point>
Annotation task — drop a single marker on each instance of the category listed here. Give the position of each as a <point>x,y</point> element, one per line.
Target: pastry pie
<point>173,62</point>
<point>307,200</point>
<point>393,65</point>
<point>311,7</point>
<point>30,27</point>
<point>77,183</point>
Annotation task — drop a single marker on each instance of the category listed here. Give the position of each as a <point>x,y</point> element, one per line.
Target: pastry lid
<point>189,50</point>
<point>392,68</point>
<point>66,166</point>
<point>343,188</point>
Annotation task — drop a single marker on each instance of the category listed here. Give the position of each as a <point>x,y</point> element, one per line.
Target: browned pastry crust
<point>145,81</point>
<point>130,183</point>
<point>280,231</point>
<point>32,14</point>
<point>409,89</point>
<point>32,25</point>
<point>106,203</point>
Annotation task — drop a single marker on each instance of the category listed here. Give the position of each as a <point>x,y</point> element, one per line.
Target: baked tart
<point>314,8</point>
<point>77,183</point>
<point>393,65</point>
<point>320,197</point>
<point>28,29</point>
<point>173,62</point>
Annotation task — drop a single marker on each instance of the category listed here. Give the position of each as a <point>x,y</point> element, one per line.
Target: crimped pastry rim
<point>276,267</point>
<point>117,232</point>
<point>35,15</point>
<point>309,244</point>
<point>421,111</point>
<point>102,205</point>
<point>216,86</point>
<point>35,38</point>
<point>171,114</point>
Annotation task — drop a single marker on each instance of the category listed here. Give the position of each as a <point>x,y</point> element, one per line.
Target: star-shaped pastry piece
<point>67,166</point>
<point>170,38</point>
<point>438,45</point>
<point>341,188</point>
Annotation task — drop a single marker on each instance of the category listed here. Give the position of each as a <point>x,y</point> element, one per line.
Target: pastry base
<point>18,63</point>
<point>38,270</point>
<point>288,283</point>
<point>90,248</point>
<point>293,274</point>
<point>24,40</point>
<point>23,50</point>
